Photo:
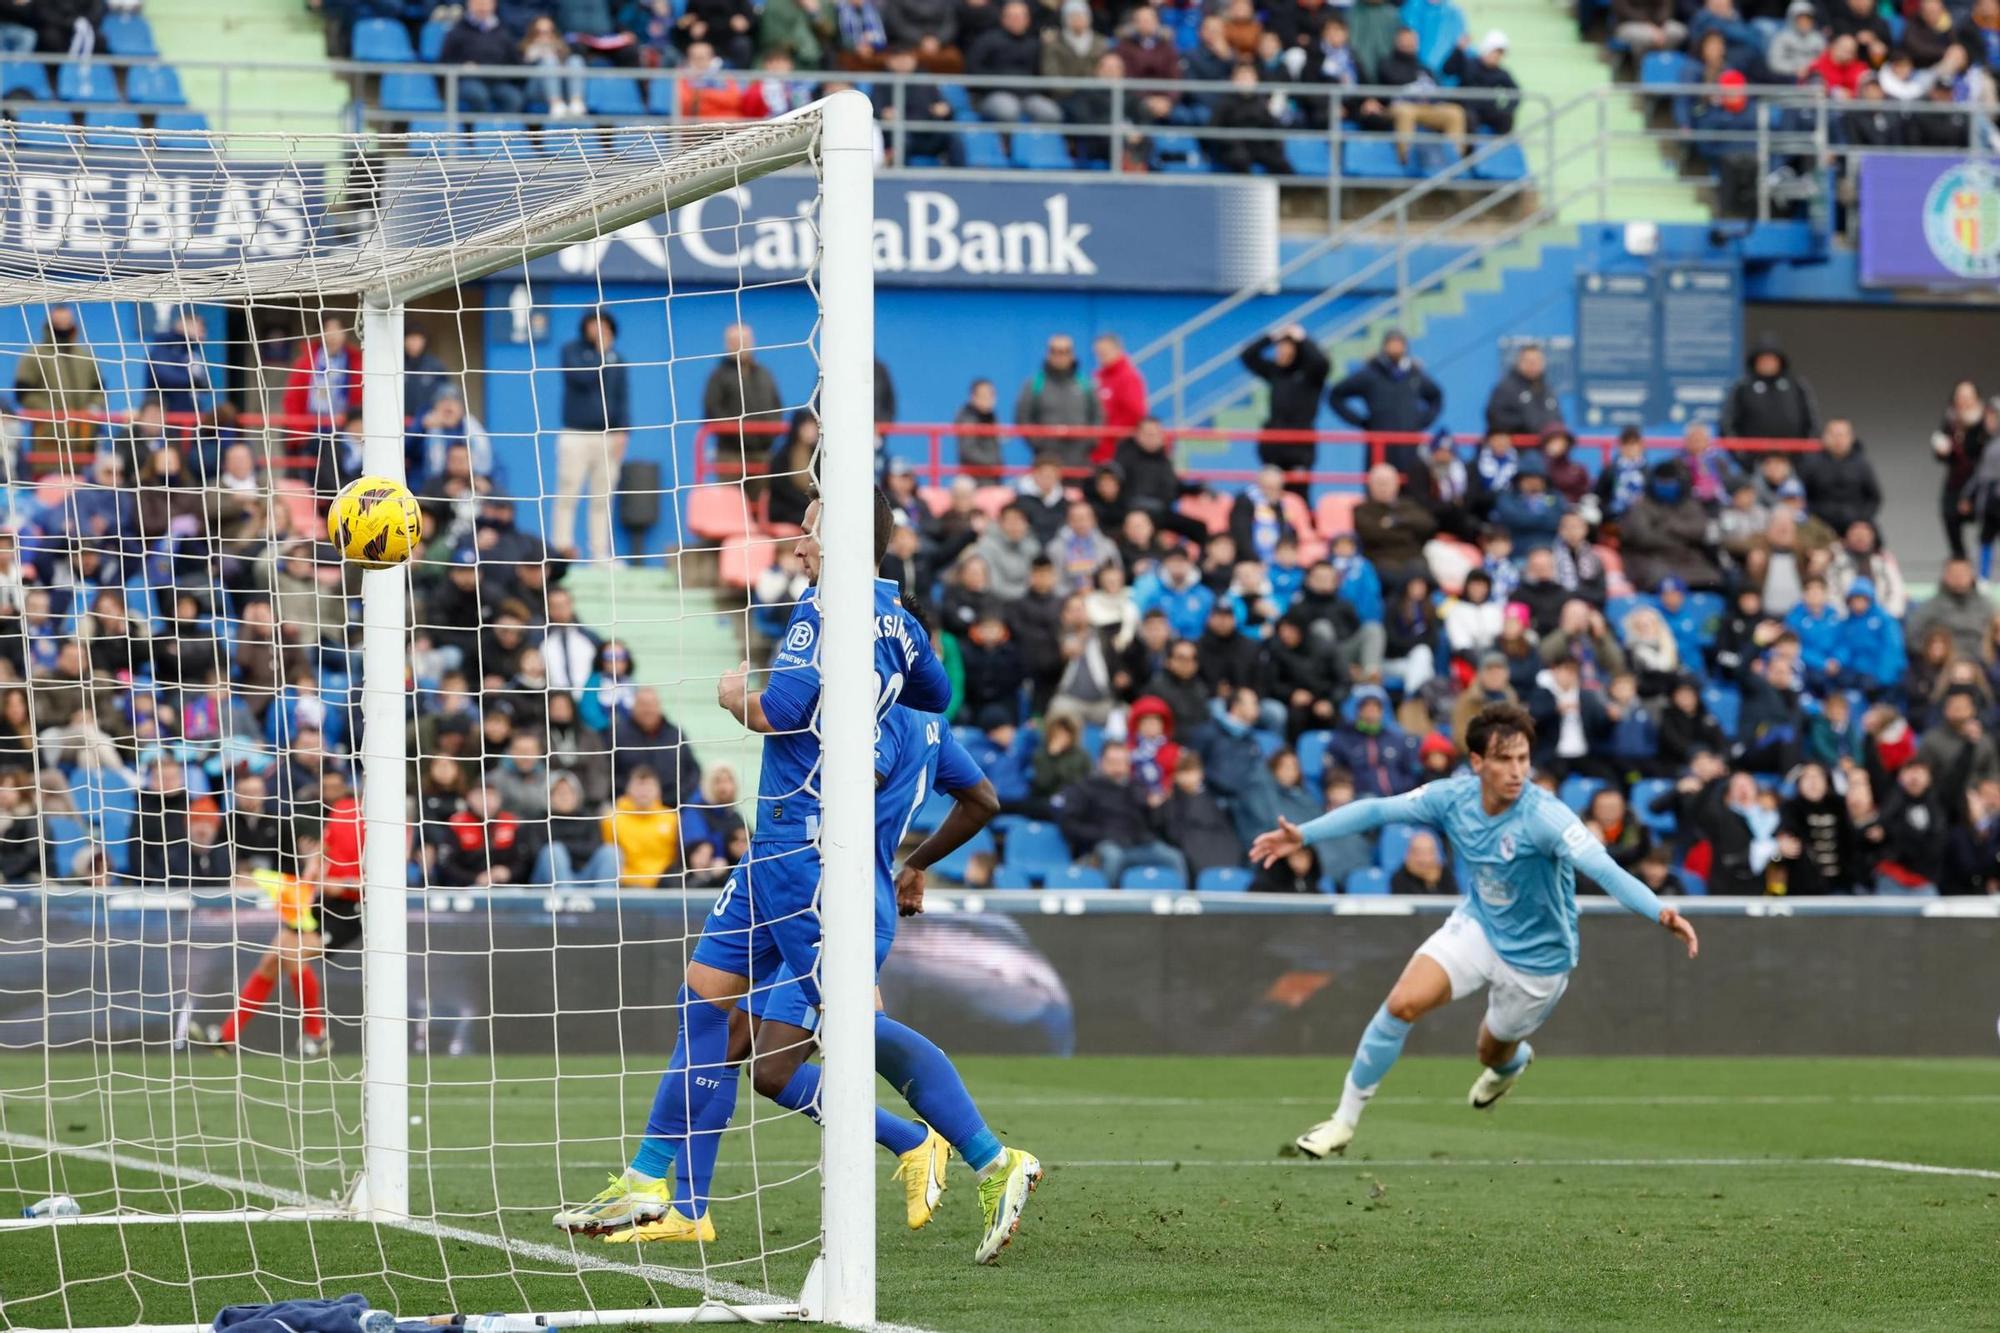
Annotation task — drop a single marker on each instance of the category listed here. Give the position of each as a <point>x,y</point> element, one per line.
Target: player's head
<point>1497,745</point>
<point>808,547</point>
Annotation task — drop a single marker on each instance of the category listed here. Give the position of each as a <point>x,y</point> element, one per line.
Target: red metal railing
<point>184,426</point>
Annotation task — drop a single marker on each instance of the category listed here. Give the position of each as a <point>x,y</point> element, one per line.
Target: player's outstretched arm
<point>1354,817</point>
<point>735,699</point>
<point>972,809</point>
<point>1589,857</point>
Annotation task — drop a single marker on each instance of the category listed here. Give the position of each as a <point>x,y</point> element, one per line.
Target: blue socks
<point>1522,1054</point>
<point>893,1132</point>
<point>695,1168</point>
<point>695,1073</point>
<point>926,1078</point>
<point>1380,1045</point>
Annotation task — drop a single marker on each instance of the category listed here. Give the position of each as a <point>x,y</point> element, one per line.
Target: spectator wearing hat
<point>1382,760</point>
<point>1794,47</point>
<point>1665,534</point>
<point>1390,393</point>
<point>1482,69</point>
<point>1769,402</point>
<point>1870,645</point>
<point>1725,127</point>
<point>1528,509</point>
<point>1296,369</point>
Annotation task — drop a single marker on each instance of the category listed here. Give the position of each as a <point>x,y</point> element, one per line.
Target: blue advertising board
<point>1929,222</point>
<point>944,231</point>
<point>1700,346</point>
<point>1616,328</point>
<point>65,215</point>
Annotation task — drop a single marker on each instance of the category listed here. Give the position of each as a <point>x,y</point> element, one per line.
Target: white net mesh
<point>181,906</point>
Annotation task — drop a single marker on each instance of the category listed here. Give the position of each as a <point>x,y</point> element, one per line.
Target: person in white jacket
<point>1473,619</point>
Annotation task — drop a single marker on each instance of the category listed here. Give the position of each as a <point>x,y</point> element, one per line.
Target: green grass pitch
<point>1635,1193</point>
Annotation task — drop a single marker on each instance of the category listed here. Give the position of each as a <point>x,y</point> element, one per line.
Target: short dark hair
<point>1497,722</point>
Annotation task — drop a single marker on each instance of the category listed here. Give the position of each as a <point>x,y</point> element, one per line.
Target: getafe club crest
<point>1962,220</point>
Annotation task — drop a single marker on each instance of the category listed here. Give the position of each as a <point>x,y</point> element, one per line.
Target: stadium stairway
<point>682,640</point>
<point>271,31</point>
<point>1546,55</point>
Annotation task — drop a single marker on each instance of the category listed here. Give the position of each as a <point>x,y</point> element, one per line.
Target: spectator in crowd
<point>1491,684</point>
<point>1960,442</point>
<point>1392,528</point>
<point>1840,483</point>
<point>1045,495</point>
<point>740,392</point>
<point>1423,869</point>
<point>1913,846</point>
<point>1382,760</point>
<point>1121,389</point>
<point>1176,589</point>
<point>1957,750</point>
<point>1010,50</point>
<point>177,374</point>
<point>920,101</point>
<point>1665,534</point>
<point>1571,722</point>
<point>1145,48</point>
<point>1296,369</point>
<point>1009,549</point>
<point>1257,517</point>
<point>1395,396</point>
<point>788,483</point>
<point>575,854</point>
<point>645,737</point>
<point>1793,48</point>
<point>559,70</point>
<point>1583,637</point>
<point>480,38</point>
<point>1523,403</point>
<point>484,844</point>
<point>1481,68</point>
<point>979,449</point>
<point>1297,872</point>
<point>1056,395</point>
<point>1958,607</point>
<point>1740,40</point>
<point>1861,20</point>
<point>1528,510</point>
<point>1145,460</point>
<point>1770,402</point>
<point>927,29</point>
<point>1180,684</point>
<point>1060,762</point>
<point>1254,116</point>
<point>1414,105</point>
<point>645,828</point>
<point>1035,626</point>
<point>1107,817</point>
<point>1194,821</point>
<point>861,33</point>
<point>1642,26</point>
<point>1072,48</point>
<point>994,674</point>
<point>591,445</point>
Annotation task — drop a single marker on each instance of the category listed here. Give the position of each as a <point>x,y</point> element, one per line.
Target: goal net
<point>343,912</point>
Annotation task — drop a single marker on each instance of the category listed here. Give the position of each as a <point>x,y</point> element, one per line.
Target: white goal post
<point>393,220</point>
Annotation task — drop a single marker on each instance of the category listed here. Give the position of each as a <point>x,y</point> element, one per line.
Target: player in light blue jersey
<point>767,920</point>
<point>1520,850</point>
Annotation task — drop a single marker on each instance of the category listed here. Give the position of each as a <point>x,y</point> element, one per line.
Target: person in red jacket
<point>325,383</point>
<point>1121,391</point>
<point>485,845</point>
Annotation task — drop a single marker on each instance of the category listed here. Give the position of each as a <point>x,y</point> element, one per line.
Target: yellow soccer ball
<point>375,523</point>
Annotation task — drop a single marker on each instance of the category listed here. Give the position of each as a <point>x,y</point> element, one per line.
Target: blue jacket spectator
<point>1746,47</point>
<point>1393,393</point>
<point>424,375</point>
<point>1693,627</point>
<point>1177,590</point>
<point>177,367</point>
<point>1360,585</point>
<point>1528,509</point>
<point>1817,622</point>
<point>1870,647</point>
<point>1383,760</point>
<point>594,383</point>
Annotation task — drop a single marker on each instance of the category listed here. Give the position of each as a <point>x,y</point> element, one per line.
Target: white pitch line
<point>1915,1168</point>
<point>1518,1099</point>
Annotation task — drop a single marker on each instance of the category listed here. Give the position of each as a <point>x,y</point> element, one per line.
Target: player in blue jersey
<point>767,918</point>
<point>1520,850</point>
<point>915,756</point>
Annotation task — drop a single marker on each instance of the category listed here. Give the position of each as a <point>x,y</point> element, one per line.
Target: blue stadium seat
<point>1037,848</point>
<point>1726,702</point>
<point>413,93</point>
<point>931,813</point>
<point>19,78</point>
<point>1268,742</point>
<point>1370,881</point>
<point>1156,878</point>
<point>127,35</point>
<point>1007,877</point>
<point>660,96</point>
<point>1438,25</point>
<point>959,100</point>
<point>1092,741</point>
<point>1665,68</point>
<point>1310,157</point>
<point>1371,159</point>
<point>1179,153</point>
<point>433,138</point>
<point>1694,885</point>
<point>1503,165</point>
<point>194,122</point>
<point>87,81</point>
<point>430,42</point>
<point>1577,790</point>
<point>984,151</point>
<point>1311,749</point>
<point>68,841</point>
<point>1616,609</point>
<point>1039,150</point>
<point>1395,841</point>
<point>383,41</point>
<point>112,129</point>
<point>613,97</point>
<point>953,867</point>
<point>1077,877</point>
<point>111,120</point>
<point>1224,879</point>
<point>1431,156</point>
<point>1644,793</point>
